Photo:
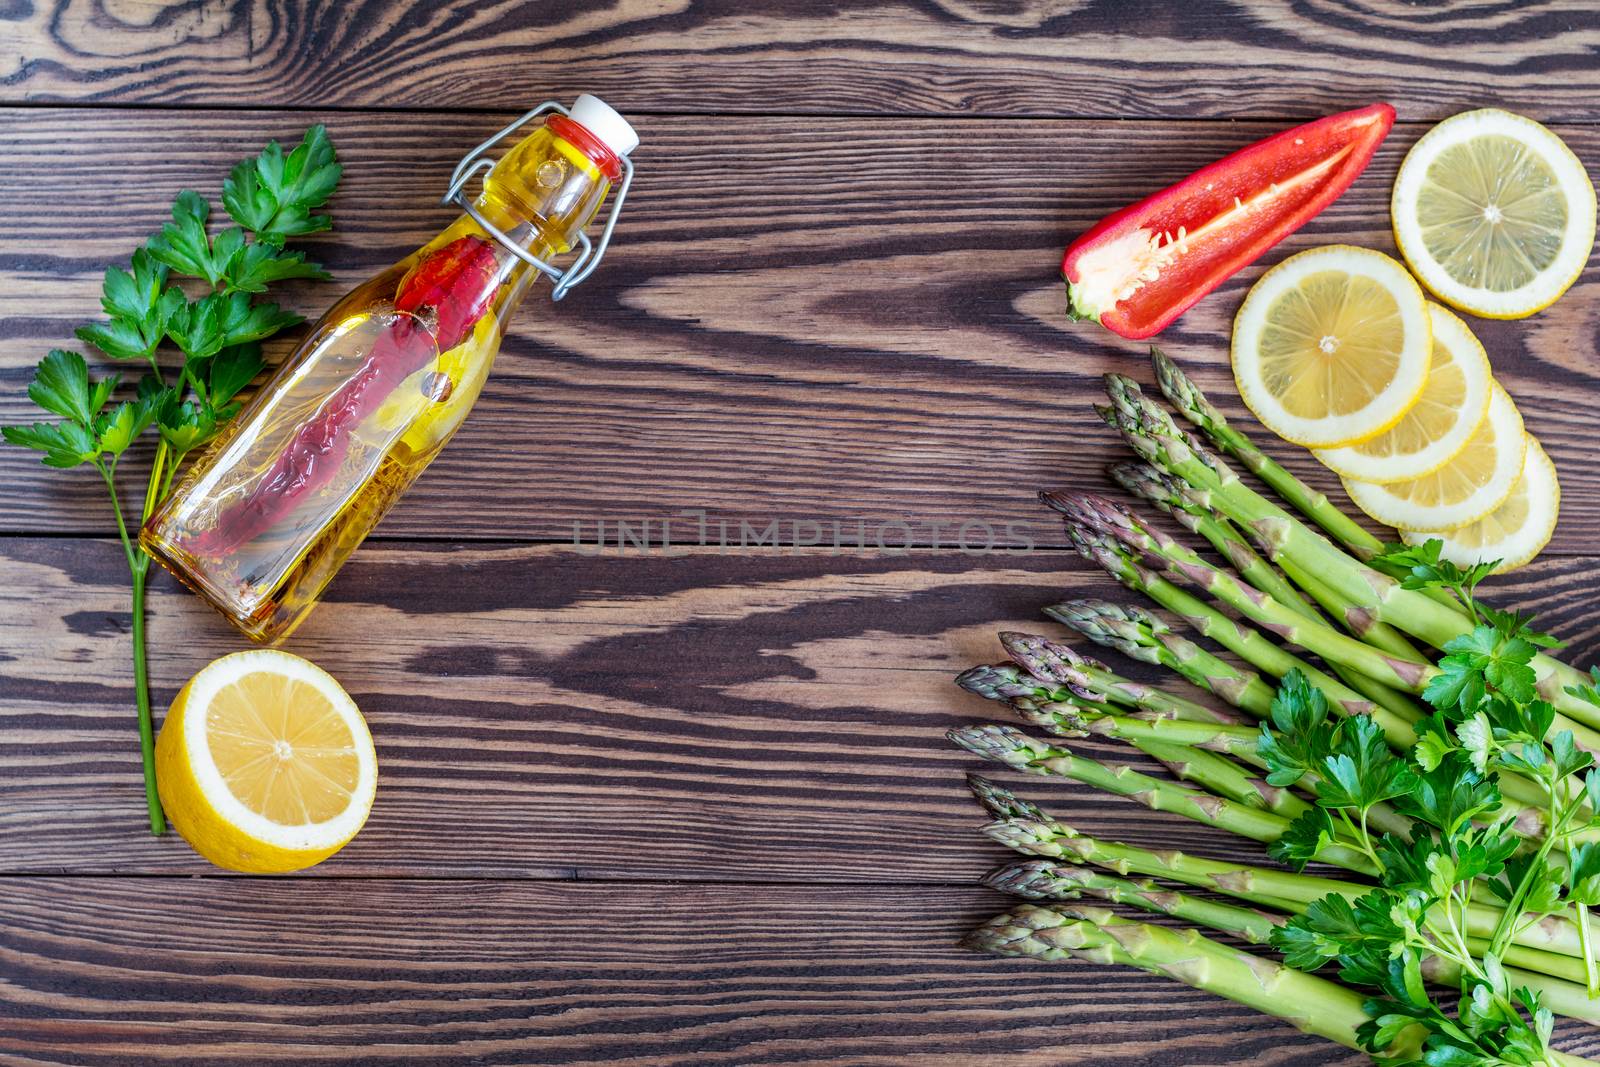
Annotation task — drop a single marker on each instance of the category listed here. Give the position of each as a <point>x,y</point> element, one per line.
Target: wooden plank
<point>98,972</point>
<point>543,713</point>
<point>820,320</point>
<point>1236,58</point>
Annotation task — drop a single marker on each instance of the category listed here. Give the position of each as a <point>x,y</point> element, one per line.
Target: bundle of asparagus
<point>1428,744</point>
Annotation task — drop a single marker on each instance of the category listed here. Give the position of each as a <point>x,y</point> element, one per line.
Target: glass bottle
<point>261,523</point>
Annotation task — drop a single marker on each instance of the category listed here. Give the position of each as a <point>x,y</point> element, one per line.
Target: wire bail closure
<point>589,253</point>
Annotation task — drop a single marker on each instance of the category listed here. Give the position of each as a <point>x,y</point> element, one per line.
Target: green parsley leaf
<point>1305,839</point>
<point>1300,735</point>
<point>119,338</point>
<point>1450,796</point>
<point>64,444</point>
<point>182,243</point>
<point>1422,568</point>
<point>1326,930</point>
<point>1482,659</point>
<point>134,296</point>
<point>1435,742</point>
<point>259,264</point>
<point>217,321</point>
<point>61,386</point>
<point>186,426</point>
<point>116,429</point>
<point>1583,879</point>
<point>273,195</point>
<point>1363,770</point>
<point>232,370</point>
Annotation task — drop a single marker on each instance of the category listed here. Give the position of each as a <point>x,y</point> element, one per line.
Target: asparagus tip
<point>1037,880</point>
<point>997,742</point>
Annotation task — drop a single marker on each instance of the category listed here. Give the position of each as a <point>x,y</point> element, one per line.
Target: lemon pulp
<point>1492,213</point>
<point>1453,404</point>
<point>282,749</point>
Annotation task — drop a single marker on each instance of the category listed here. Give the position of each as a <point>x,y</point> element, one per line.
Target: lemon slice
<point>1516,531</point>
<point>1454,402</point>
<point>264,764</point>
<point>1494,213</point>
<point>1471,485</point>
<point>1332,346</point>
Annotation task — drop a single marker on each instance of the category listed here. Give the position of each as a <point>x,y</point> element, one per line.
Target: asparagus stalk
<point>1053,840</point>
<point>1145,637</point>
<point>1238,742</point>
<point>1039,880</point>
<point>1051,661</point>
<point>1195,514</point>
<point>1012,747</point>
<point>1256,650</point>
<point>1561,988</point>
<point>1184,395</point>
<point>1045,658</point>
<point>1153,435</point>
<point>1237,637</point>
<point>1068,716</point>
<point>1114,520</point>
<point>1313,1005</point>
<point>1185,744</point>
<point>1050,839</point>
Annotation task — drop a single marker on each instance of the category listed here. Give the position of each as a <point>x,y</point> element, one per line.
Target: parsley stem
<point>138,569</point>
<point>152,492</point>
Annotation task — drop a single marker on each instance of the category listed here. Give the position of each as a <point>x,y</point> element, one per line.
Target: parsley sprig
<point>1469,847</point>
<point>269,197</point>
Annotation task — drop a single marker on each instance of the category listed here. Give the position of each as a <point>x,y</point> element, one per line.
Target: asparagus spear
<point>1238,638</point>
<point>1012,747</point>
<point>1039,880</point>
<point>1196,515</point>
<point>1110,518</point>
<point>1260,652</point>
<point>1560,987</point>
<point>1238,742</point>
<point>1051,661</point>
<point>1314,1005</point>
<point>1152,434</point>
<point>1048,662</point>
<point>1036,834</point>
<point>1142,636</point>
<point>1184,395</point>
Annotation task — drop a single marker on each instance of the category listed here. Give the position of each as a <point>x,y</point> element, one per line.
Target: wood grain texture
<point>540,713</point>
<point>455,973</point>
<point>1093,58</point>
<point>828,319</point>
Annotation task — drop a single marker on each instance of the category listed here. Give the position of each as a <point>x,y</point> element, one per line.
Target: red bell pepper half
<point>1143,266</point>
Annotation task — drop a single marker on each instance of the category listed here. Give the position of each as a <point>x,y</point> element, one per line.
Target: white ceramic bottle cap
<point>600,119</point>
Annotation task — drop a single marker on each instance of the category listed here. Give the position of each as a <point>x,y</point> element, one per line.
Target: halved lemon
<point>1494,213</point>
<point>1454,402</point>
<point>1471,485</point>
<point>264,764</point>
<point>1332,346</point>
<point>1516,531</point>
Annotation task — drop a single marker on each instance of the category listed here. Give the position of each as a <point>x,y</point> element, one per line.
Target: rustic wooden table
<point>691,805</point>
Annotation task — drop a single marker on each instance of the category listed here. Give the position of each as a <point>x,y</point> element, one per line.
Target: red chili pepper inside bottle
<point>260,524</point>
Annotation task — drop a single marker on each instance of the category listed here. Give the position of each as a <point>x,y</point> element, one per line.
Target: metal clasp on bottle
<point>589,253</point>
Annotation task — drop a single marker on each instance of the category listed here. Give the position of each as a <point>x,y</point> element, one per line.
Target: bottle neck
<point>555,180</point>
<point>539,197</point>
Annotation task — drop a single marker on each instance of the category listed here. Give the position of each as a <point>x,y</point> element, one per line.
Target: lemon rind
<point>1461,556</point>
<point>1368,495</point>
